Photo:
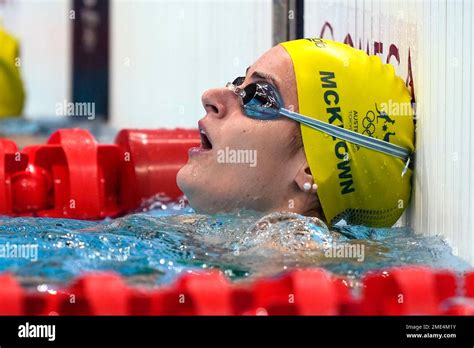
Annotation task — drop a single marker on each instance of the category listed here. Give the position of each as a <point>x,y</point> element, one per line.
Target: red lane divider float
<point>407,291</point>
<point>304,292</point>
<point>397,291</point>
<point>11,296</point>
<point>460,309</point>
<point>11,162</point>
<point>469,284</point>
<point>197,294</point>
<point>97,294</point>
<point>150,161</point>
<point>75,177</point>
<point>464,306</point>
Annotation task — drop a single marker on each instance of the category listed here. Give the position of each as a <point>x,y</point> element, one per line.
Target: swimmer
<point>12,94</point>
<point>306,113</point>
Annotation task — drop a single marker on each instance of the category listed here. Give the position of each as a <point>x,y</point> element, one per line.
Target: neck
<point>304,203</point>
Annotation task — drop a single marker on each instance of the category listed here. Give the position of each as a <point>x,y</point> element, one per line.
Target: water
<point>154,247</point>
<point>44,127</point>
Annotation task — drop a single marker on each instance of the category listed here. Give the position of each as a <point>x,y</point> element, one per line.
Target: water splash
<point>153,248</point>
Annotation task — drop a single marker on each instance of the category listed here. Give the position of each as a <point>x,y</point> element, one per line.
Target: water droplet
<point>42,287</point>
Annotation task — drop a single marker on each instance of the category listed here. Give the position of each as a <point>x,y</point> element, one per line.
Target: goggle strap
<point>350,136</point>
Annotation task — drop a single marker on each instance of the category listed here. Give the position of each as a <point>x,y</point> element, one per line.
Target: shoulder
<point>292,231</point>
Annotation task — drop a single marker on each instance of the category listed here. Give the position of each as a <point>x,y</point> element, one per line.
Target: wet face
<point>245,163</point>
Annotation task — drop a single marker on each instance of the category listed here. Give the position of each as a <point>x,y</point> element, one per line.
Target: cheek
<point>274,140</point>
<point>236,130</point>
<point>270,141</point>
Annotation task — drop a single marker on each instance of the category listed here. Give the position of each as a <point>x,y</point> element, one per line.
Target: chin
<point>199,202</point>
<point>190,187</point>
<point>183,178</point>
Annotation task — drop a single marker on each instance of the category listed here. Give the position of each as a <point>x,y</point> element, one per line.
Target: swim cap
<point>345,87</point>
<point>12,95</point>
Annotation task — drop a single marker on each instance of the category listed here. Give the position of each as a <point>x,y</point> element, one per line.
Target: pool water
<point>155,246</point>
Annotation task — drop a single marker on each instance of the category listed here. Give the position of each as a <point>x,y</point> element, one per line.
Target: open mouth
<point>205,142</point>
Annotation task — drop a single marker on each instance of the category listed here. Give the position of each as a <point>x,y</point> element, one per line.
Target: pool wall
<point>431,45</point>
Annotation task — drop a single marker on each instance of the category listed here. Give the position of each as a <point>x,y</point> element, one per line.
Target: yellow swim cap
<point>12,95</point>
<point>345,87</point>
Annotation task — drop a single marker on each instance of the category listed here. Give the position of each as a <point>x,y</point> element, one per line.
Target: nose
<point>218,101</point>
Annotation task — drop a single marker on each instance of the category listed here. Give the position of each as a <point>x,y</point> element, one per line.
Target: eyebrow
<point>264,76</point>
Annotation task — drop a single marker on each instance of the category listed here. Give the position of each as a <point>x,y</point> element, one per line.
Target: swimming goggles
<point>262,101</point>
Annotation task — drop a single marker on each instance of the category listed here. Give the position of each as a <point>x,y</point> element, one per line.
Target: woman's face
<point>245,163</point>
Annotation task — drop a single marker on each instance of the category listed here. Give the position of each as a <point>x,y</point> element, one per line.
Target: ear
<point>303,176</point>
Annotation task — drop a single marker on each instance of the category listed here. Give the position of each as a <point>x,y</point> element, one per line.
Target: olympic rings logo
<point>368,123</point>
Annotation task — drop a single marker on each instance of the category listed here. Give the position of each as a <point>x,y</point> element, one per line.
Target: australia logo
<point>374,120</point>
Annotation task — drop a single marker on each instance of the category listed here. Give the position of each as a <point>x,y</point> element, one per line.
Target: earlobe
<point>304,179</point>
